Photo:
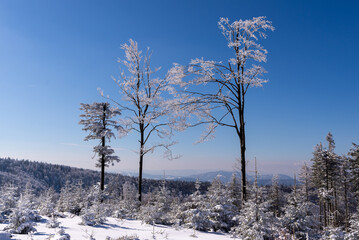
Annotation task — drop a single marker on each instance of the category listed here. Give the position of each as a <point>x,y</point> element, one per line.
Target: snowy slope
<point>116,228</point>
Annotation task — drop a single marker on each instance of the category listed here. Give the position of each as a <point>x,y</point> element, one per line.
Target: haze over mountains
<point>225,176</point>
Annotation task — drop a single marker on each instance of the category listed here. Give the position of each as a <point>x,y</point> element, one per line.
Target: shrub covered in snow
<point>22,218</point>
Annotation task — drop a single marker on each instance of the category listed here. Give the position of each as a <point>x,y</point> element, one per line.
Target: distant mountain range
<point>225,176</point>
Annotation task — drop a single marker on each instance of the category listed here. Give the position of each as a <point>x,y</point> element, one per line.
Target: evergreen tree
<point>97,120</point>
<point>276,196</point>
<point>196,211</point>
<point>325,176</point>
<point>23,216</point>
<point>157,209</point>
<point>255,221</point>
<point>48,202</point>
<point>129,204</point>
<point>9,195</point>
<point>222,209</point>
<point>299,214</point>
<point>234,191</point>
<point>354,167</point>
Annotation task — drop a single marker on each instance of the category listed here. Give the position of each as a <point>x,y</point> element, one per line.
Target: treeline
<point>43,176</point>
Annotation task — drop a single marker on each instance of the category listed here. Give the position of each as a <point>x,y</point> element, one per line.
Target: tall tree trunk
<point>102,184</point>
<point>103,166</point>
<point>141,164</point>
<point>242,139</point>
<point>346,204</point>
<point>320,212</point>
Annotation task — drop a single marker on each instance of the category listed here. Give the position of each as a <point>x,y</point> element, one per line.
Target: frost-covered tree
<point>354,167</point>
<point>9,194</point>
<point>276,196</point>
<point>222,210</point>
<point>195,211</point>
<point>254,220</point>
<point>299,218</point>
<point>325,175</point>
<point>129,204</point>
<point>145,104</point>
<point>346,195</point>
<point>234,191</point>
<point>158,208</point>
<point>221,101</point>
<point>23,217</point>
<point>305,178</point>
<point>47,204</point>
<point>97,119</point>
<point>93,211</point>
<point>71,198</point>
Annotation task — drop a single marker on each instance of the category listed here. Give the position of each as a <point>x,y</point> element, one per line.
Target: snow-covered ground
<point>115,228</point>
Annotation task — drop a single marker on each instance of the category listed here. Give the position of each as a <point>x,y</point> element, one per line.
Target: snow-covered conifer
<point>9,195</point>
<point>255,221</point>
<point>234,191</point>
<point>354,166</point>
<point>300,215</point>
<point>276,196</point>
<point>157,210</point>
<point>325,175</point>
<point>97,119</point>
<point>222,209</point>
<point>22,218</point>
<point>47,205</point>
<point>129,204</point>
<point>195,211</point>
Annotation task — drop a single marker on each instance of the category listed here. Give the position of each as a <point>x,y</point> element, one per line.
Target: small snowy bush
<point>22,218</point>
<point>126,237</point>
<point>53,223</point>
<point>95,215</point>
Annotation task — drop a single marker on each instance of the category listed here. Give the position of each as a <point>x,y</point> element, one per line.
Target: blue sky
<point>55,54</point>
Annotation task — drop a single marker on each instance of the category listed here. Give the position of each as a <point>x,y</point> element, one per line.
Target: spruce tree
<point>97,120</point>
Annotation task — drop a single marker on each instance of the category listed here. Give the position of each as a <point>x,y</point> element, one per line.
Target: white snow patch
<point>116,228</point>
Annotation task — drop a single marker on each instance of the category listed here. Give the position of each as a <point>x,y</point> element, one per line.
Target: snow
<point>114,228</point>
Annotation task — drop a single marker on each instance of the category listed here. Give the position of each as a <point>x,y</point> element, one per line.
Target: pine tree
<point>276,196</point>
<point>299,214</point>
<point>196,211</point>
<point>305,178</point>
<point>157,209</point>
<point>9,195</point>
<point>354,167</point>
<point>222,209</point>
<point>97,120</point>
<point>325,176</point>
<point>23,216</point>
<point>129,204</point>
<point>234,191</point>
<point>48,202</point>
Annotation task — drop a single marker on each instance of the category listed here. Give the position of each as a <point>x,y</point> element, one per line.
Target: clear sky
<point>55,54</point>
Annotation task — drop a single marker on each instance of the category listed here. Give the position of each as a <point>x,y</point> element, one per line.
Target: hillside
<point>44,175</point>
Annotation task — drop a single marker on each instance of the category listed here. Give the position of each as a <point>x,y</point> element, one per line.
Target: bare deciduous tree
<point>145,104</point>
<point>221,101</point>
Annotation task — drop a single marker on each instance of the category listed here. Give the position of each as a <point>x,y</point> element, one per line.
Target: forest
<point>322,203</point>
<point>48,201</point>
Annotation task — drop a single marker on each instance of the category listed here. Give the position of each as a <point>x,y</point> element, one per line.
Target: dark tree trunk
<point>103,142</point>
<point>141,163</point>
<point>242,139</point>
<point>103,167</point>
